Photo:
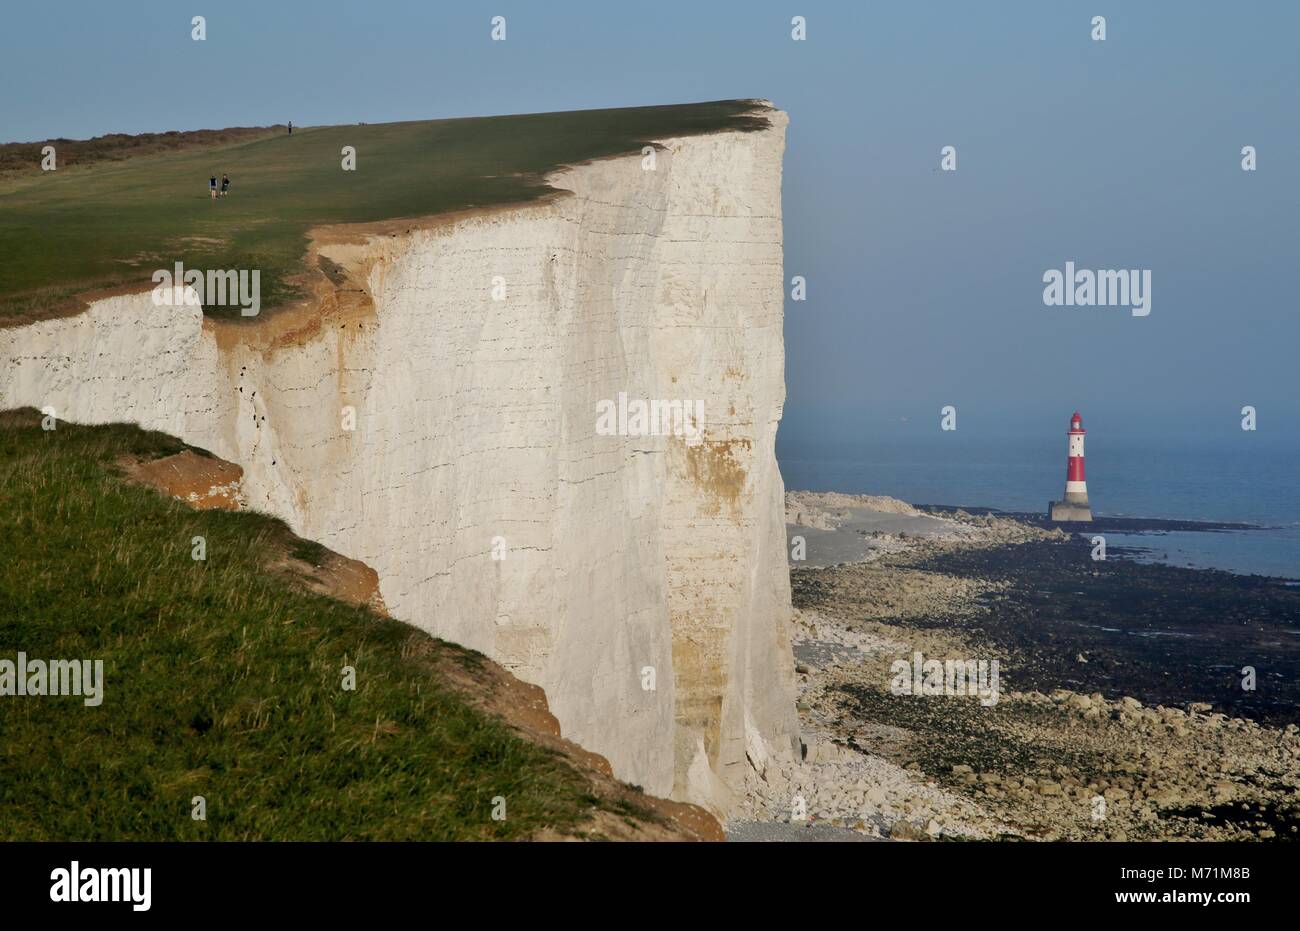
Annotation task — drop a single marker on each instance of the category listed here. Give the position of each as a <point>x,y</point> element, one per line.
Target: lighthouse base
<point>1068,511</point>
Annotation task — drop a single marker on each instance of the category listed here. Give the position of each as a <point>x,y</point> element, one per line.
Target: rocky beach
<point>1122,709</point>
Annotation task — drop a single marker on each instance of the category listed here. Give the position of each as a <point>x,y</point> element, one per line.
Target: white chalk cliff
<point>644,581</point>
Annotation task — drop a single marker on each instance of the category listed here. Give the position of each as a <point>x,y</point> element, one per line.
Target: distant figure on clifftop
<point>291,127</point>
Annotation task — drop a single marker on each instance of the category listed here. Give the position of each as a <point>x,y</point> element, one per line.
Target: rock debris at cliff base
<point>1044,763</point>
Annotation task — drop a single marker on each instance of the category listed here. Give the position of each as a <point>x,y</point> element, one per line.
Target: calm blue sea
<point>1242,478</point>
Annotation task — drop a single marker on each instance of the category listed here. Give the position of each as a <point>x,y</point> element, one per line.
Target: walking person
<point>212,186</point>
<point>225,184</point>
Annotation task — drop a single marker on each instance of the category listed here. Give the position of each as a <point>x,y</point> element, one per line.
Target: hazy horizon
<point>924,286</point>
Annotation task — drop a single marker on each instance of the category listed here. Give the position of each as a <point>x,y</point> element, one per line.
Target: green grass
<point>114,223</point>
<point>222,680</point>
<point>26,157</point>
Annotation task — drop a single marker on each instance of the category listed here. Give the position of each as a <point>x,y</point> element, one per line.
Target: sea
<point>1223,478</point>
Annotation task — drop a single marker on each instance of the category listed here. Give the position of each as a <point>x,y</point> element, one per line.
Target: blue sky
<point>924,286</point>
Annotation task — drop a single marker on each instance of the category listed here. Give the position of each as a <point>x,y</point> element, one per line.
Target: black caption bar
<point>145,881</point>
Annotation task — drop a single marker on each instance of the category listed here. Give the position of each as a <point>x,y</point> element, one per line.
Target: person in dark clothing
<point>225,184</point>
<point>291,127</point>
<point>212,187</point>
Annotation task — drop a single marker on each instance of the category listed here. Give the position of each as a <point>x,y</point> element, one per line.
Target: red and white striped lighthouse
<point>1076,487</point>
<point>1075,505</point>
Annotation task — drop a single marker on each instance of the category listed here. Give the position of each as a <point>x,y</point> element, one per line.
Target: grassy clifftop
<point>111,224</point>
<point>24,158</point>
<point>223,678</point>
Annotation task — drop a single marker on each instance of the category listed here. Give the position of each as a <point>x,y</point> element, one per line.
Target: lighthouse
<point>1075,504</point>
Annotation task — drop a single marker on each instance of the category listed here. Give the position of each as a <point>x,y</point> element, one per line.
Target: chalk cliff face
<point>436,418</point>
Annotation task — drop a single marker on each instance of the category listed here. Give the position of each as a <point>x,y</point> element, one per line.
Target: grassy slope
<point>26,157</point>
<point>113,224</point>
<point>222,680</point>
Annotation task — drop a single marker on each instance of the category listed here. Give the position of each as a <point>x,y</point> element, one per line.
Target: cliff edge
<point>456,407</point>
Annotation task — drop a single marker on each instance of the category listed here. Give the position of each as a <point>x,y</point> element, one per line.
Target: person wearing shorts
<point>212,187</point>
<point>225,184</point>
